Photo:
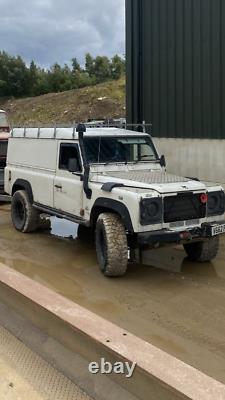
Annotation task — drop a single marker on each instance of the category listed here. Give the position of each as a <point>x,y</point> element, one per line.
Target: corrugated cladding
<point>176,66</point>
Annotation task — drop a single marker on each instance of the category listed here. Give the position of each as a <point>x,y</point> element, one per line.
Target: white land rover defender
<point>111,181</point>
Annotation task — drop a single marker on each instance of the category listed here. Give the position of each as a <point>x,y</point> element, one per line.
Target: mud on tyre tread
<point>203,251</point>
<point>111,235</point>
<point>24,216</point>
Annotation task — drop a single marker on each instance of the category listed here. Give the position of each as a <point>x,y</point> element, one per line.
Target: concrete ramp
<point>69,337</point>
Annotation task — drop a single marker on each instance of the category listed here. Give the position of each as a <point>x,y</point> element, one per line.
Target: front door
<point>68,187</point>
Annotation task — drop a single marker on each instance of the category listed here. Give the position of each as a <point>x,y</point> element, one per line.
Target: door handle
<point>58,187</point>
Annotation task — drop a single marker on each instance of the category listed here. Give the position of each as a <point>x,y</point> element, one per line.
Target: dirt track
<point>181,312</point>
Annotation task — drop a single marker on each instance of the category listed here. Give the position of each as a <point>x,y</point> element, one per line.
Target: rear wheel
<point>25,217</point>
<point>111,245</point>
<point>203,251</point>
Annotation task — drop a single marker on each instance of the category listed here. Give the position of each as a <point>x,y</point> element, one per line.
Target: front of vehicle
<point>162,207</point>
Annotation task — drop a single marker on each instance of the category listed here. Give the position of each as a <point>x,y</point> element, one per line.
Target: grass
<point>106,100</point>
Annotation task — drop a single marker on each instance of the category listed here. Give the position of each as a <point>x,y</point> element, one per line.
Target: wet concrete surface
<point>181,312</point>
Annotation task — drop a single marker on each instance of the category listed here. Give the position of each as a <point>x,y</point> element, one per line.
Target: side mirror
<point>73,165</point>
<point>163,161</point>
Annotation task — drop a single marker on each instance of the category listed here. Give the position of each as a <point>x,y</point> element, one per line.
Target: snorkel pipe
<point>81,129</point>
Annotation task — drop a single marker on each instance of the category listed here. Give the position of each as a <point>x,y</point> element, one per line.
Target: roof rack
<point>122,124</point>
<point>69,131</point>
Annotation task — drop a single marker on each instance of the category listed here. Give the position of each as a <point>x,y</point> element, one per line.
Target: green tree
<point>60,78</point>
<point>16,79</point>
<point>14,74</point>
<point>89,65</point>
<point>117,67</point>
<point>33,75</point>
<point>102,70</point>
<point>75,65</point>
<point>42,85</point>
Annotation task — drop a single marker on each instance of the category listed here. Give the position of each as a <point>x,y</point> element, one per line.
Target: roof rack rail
<point>25,131</point>
<point>93,124</point>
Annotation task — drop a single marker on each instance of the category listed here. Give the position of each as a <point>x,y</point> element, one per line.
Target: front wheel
<point>25,217</point>
<point>111,245</point>
<point>203,251</point>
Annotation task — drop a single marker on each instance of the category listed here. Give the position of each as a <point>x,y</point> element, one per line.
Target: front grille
<point>183,207</point>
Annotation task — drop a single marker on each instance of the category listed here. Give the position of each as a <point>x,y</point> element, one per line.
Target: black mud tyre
<point>203,251</point>
<point>85,234</point>
<point>111,245</point>
<point>24,216</point>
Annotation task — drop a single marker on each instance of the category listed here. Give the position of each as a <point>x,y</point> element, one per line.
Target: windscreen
<point>103,150</point>
<point>3,120</point>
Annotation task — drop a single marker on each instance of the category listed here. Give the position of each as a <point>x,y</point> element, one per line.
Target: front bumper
<point>169,236</point>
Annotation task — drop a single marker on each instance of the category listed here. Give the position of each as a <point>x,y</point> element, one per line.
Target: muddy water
<point>181,312</point>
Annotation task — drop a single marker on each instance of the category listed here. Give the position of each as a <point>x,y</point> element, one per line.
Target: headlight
<point>216,204</point>
<point>151,211</point>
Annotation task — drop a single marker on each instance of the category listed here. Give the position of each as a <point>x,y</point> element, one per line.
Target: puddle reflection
<point>63,228</point>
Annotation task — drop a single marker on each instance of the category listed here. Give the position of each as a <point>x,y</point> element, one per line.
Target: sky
<point>49,31</point>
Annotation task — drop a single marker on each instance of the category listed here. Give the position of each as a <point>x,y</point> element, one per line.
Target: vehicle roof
<point>69,133</point>
<point>2,111</point>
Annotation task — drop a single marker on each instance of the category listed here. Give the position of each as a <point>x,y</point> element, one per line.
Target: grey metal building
<point>176,66</point>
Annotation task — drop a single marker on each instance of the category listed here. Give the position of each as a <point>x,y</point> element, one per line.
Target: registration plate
<point>218,230</point>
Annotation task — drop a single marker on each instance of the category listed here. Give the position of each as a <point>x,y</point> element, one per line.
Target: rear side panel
<point>34,161</point>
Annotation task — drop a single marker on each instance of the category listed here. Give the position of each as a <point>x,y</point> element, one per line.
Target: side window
<point>69,151</point>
